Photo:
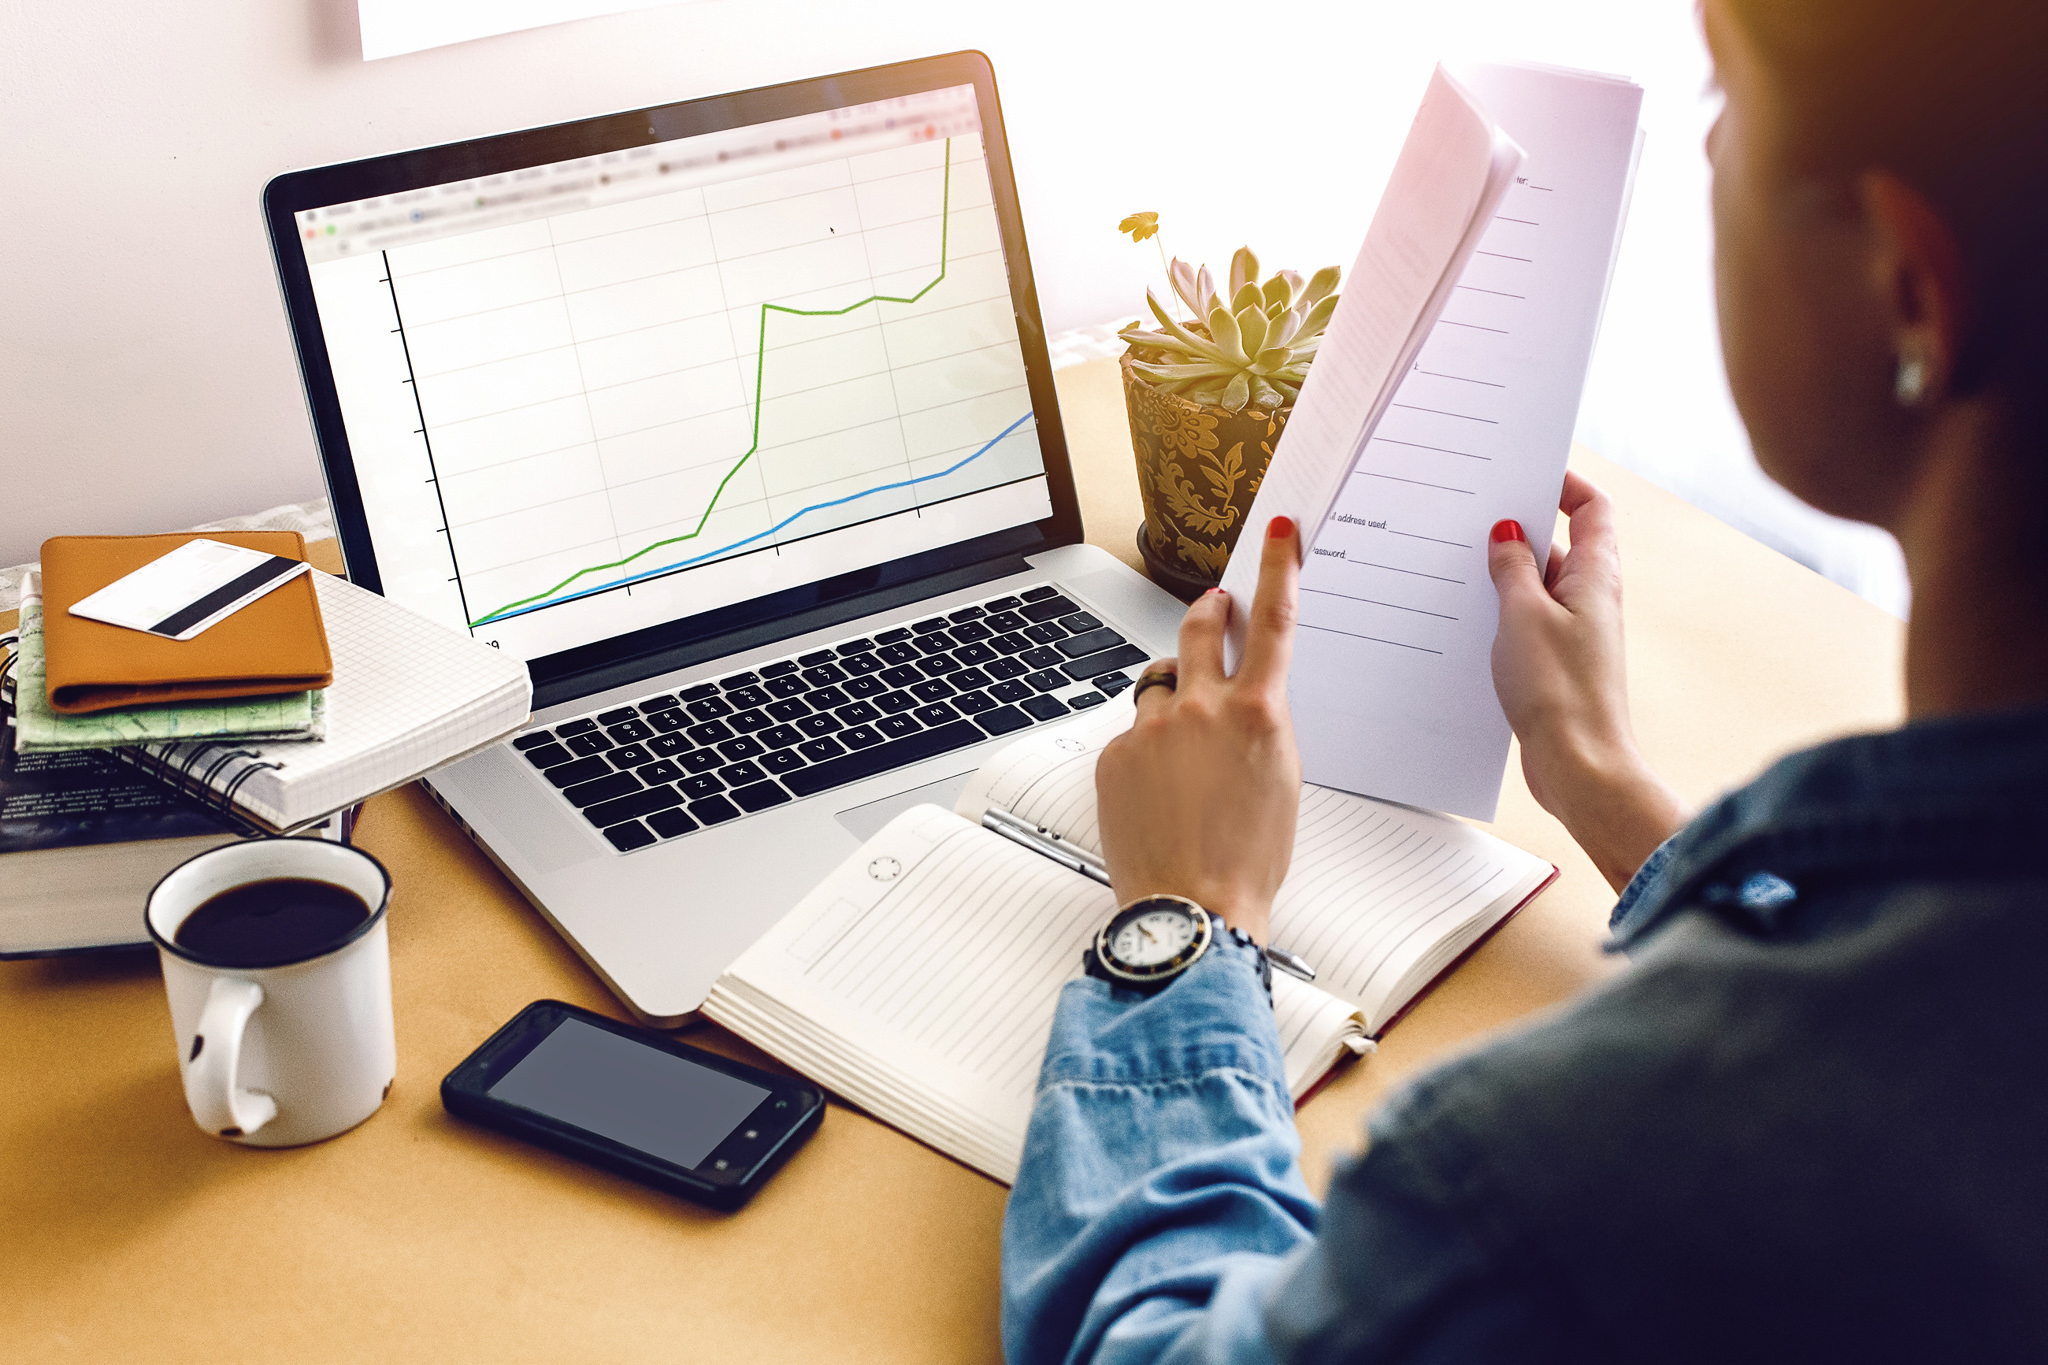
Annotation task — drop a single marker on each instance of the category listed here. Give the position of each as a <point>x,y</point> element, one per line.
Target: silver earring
<point>1911,384</point>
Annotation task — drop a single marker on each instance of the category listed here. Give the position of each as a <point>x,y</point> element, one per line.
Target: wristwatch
<point>1147,944</point>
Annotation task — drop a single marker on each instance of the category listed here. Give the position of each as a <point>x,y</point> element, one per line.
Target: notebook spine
<point>202,774</point>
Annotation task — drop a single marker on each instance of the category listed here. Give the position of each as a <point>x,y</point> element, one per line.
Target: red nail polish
<point>1213,592</point>
<point>1280,528</point>
<point>1504,531</point>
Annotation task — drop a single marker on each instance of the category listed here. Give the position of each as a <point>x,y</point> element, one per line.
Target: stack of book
<point>124,752</point>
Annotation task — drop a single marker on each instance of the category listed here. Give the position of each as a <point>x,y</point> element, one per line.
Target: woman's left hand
<point>1199,797</point>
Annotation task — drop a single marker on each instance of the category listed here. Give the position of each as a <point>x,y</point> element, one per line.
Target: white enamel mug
<point>281,1055</point>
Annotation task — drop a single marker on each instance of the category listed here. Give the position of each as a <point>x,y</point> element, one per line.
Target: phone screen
<point>652,1101</point>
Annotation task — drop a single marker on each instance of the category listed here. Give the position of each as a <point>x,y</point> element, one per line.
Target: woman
<point>1808,1123</point>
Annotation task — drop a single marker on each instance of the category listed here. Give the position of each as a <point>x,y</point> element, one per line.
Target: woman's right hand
<point>1559,668</point>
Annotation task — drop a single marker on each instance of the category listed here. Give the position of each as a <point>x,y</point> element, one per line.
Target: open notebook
<point>919,979</point>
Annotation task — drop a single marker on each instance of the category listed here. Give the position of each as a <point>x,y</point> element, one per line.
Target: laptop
<point>733,419</point>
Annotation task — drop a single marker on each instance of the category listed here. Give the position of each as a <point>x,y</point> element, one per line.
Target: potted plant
<point>1208,399</point>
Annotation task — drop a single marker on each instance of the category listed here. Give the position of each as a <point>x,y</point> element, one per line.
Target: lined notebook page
<point>408,695</point>
<point>920,979</point>
<point>1378,898</point>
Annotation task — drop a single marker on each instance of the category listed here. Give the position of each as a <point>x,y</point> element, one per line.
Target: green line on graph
<point>760,364</point>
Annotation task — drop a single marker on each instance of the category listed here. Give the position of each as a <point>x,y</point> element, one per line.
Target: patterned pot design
<point>1199,467</point>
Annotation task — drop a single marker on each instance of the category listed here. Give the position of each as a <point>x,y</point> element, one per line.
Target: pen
<point>1074,858</point>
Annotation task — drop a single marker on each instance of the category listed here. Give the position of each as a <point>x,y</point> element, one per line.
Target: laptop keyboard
<point>680,761</point>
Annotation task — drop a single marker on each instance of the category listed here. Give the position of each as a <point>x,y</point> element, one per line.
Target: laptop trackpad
<point>866,821</point>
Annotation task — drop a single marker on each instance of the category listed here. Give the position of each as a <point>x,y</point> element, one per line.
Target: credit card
<point>194,586</point>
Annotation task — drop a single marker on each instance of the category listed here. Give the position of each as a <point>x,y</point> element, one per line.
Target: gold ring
<point>1165,678</point>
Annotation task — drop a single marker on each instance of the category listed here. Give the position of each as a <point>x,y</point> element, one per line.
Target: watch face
<point>1153,939</point>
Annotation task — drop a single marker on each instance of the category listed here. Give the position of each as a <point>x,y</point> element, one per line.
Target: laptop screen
<point>586,397</point>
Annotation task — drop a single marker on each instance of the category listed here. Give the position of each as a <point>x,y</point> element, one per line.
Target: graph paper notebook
<point>1381,900</point>
<point>408,696</point>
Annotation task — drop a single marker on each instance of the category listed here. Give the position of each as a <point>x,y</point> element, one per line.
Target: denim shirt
<point>1810,1122</point>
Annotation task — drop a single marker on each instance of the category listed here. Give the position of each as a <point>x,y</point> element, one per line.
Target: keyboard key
<point>827,699</point>
<point>760,795</point>
<point>902,677</point>
<point>1122,656</point>
<point>602,789</point>
<point>1011,691</point>
<point>608,813</point>
<point>966,614</point>
<point>1080,621</point>
<point>714,810</point>
<point>819,750</point>
<point>699,693</point>
<point>860,665</point>
<point>974,703</point>
<point>659,771</point>
<point>668,721</point>
<point>823,674</point>
<point>737,749</point>
<point>818,725</point>
<point>575,727</point>
<point>890,637</point>
<point>1003,720</point>
<point>891,703</point>
<point>996,604</point>
<point>1086,700</point>
<point>861,737</point>
<point>1044,656</point>
<point>857,713</point>
<point>782,736</point>
<point>624,713</point>
<point>1048,681</point>
<point>670,823</point>
<point>630,756</point>
<point>589,744</point>
<point>927,627</point>
<point>582,770</point>
<point>897,654</point>
<point>747,722</point>
<point>1045,632</point>
<point>1045,609</point>
<point>883,757</point>
<point>848,648</point>
<point>938,713</point>
<point>711,708</point>
<point>710,732</point>
<point>749,696</point>
<point>737,681</point>
<point>1010,643</point>
<point>939,664</point>
<point>780,761</point>
<point>1045,708</point>
<point>665,702</point>
<point>1090,642</point>
<point>975,654</point>
<point>1039,593</point>
<point>533,739</point>
<point>1112,683</point>
<point>788,710</point>
<point>701,760</point>
<point>971,632</point>
<point>936,641</point>
<point>778,668</point>
<point>629,836</point>
<point>741,775</point>
<point>967,679</point>
<point>1006,668</point>
<point>787,687</point>
<point>697,788</point>
<point>934,689</point>
<point>866,687</point>
<point>896,727</point>
<point>1006,621</point>
<point>548,755</point>
<point>668,746</point>
<point>816,657</point>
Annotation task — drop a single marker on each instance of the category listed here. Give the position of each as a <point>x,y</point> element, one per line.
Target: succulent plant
<point>1249,347</point>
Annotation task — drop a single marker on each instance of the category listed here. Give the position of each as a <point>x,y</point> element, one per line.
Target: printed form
<point>1392,684</point>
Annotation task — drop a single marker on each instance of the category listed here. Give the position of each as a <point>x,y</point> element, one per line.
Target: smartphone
<point>635,1102</point>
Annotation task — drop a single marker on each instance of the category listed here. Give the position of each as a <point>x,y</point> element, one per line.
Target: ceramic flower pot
<point>1199,467</point>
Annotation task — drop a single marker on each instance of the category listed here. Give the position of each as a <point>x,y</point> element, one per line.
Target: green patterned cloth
<point>40,730</point>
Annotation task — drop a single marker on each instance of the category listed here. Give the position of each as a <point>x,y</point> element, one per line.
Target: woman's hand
<point>1559,668</point>
<point>1199,797</point>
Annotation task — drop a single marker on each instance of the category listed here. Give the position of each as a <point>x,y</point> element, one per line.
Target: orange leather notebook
<point>275,644</point>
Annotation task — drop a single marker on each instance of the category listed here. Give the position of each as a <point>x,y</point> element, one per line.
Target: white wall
<point>146,378</point>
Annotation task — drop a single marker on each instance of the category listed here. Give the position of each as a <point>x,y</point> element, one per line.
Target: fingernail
<point>1504,531</point>
<point>1213,592</point>
<point>1280,528</point>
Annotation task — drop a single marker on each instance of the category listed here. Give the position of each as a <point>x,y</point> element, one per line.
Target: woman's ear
<point>1919,284</point>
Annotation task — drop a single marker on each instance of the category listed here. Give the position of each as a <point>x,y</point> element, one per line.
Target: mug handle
<point>218,1104</point>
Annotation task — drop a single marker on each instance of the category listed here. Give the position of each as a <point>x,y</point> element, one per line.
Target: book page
<point>1392,680</point>
<point>1452,170</point>
<point>919,980</point>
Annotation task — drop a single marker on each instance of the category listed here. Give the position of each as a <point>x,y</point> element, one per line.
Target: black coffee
<point>270,923</point>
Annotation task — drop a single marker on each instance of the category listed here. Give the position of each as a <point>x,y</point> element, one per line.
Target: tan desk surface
<point>125,1233</point>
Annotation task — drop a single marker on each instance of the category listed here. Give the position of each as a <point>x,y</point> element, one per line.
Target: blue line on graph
<point>763,535</point>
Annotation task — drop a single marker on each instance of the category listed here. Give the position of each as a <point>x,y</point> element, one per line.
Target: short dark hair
<point>1952,96</point>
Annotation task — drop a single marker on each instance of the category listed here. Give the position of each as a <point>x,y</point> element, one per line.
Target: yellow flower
<point>1140,226</point>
